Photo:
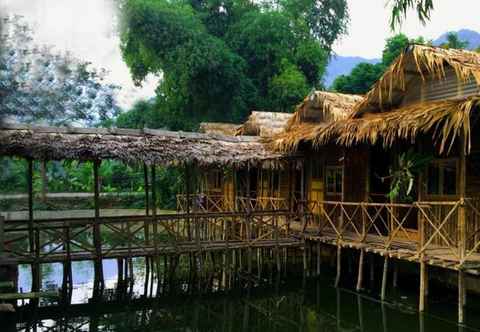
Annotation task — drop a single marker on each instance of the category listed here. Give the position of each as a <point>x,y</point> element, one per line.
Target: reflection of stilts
<point>339,265</point>
<point>384,279</point>
<point>384,318</point>
<point>360,271</point>
<point>360,312</point>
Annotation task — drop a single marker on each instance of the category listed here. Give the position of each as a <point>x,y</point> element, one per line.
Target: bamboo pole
<point>360,271</point>
<point>384,278</point>
<point>421,305</point>
<point>97,239</point>
<point>319,258</point>
<point>32,234</point>
<point>461,297</point>
<point>462,230</point>
<point>339,265</point>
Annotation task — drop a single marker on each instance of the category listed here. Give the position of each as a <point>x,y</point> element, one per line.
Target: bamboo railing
<point>383,226</point>
<point>132,236</point>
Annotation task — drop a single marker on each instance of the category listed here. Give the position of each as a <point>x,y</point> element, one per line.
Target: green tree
<point>399,10</point>
<point>364,75</point>
<point>453,41</point>
<point>220,59</point>
<point>360,80</point>
<point>39,85</point>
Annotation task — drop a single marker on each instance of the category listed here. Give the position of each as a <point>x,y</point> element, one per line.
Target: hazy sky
<point>370,24</point>
<point>85,28</point>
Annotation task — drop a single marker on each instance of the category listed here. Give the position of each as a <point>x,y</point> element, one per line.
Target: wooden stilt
<point>360,271</point>
<point>305,262</point>
<point>384,278</point>
<point>339,265</point>
<point>421,302</point>
<point>99,283</point>
<point>360,312</point>
<point>319,258</point>
<point>461,297</point>
<point>372,270</point>
<point>395,275</point>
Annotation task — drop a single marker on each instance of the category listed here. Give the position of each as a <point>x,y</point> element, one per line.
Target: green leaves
<point>400,7</point>
<point>220,59</point>
<point>402,176</point>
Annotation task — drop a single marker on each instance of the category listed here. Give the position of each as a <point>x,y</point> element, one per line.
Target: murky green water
<point>293,305</point>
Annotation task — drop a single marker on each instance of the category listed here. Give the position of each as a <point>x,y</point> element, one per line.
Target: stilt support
<point>384,278</point>
<point>339,265</point>
<point>360,271</point>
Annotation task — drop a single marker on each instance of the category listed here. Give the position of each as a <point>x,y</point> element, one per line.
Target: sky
<point>369,24</point>
<point>86,28</point>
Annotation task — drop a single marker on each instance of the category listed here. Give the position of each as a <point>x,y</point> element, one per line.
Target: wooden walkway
<point>402,249</point>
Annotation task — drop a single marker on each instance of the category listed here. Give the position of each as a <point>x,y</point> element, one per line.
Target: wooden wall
<point>355,174</point>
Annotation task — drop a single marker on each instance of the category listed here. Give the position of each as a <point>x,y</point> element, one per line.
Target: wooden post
<point>249,225</point>
<point>461,297</point>
<point>156,260</point>
<point>360,271</point>
<point>384,278</point>
<point>319,257</point>
<point>339,265</point>
<point>2,237</point>
<point>395,275</point>
<point>97,240</point>
<point>462,229</point>
<point>32,233</point>
<point>421,302</point>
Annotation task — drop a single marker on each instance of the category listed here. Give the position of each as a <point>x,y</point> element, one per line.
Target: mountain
<point>342,65</point>
<point>472,37</point>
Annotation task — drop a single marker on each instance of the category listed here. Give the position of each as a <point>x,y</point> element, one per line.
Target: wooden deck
<point>399,249</point>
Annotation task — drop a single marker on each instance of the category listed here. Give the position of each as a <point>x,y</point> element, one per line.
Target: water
<point>288,305</point>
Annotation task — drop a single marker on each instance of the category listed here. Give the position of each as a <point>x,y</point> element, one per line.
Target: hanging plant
<point>402,177</point>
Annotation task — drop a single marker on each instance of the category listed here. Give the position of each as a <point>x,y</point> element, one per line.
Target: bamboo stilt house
<point>407,155</point>
<point>267,187</point>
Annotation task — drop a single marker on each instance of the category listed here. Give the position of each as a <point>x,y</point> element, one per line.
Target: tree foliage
<point>220,59</point>
<point>38,84</point>
<point>453,41</point>
<point>399,10</point>
<point>364,75</point>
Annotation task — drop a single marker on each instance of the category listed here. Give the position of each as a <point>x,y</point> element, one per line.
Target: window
<point>442,177</point>
<point>334,179</point>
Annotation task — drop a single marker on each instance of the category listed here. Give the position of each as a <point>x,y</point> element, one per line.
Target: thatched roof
<point>219,128</point>
<point>264,124</point>
<point>445,120</point>
<point>316,111</point>
<point>383,115</point>
<point>132,146</point>
<point>418,61</point>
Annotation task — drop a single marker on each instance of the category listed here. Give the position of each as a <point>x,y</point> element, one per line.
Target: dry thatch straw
<point>219,128</point>
<point>418,60</point>
<point>134,146</point>
<point>445,120</point>
<point>312,115</point>
<point>264,124</point>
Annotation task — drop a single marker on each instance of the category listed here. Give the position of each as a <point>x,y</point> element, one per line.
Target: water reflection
<point>293,305</point>
<point>286,308</point>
